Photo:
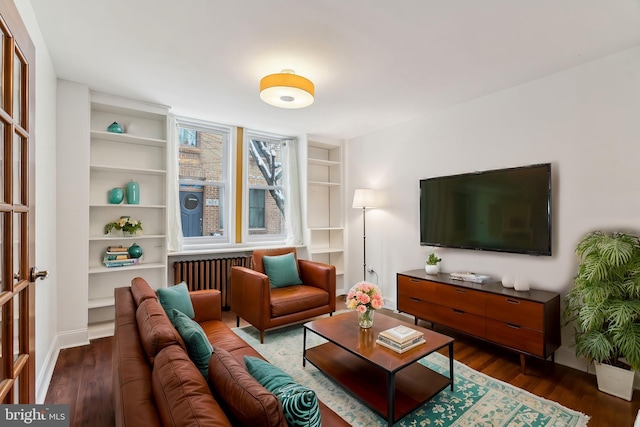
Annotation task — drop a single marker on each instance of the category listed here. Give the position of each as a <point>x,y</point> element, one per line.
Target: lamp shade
<point>287,90</point>
<point>364,198</point>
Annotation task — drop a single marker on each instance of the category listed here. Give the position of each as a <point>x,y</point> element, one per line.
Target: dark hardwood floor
<point>82,379</point>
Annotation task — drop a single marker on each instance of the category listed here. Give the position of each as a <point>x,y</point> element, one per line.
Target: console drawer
<point>460,320</point>
<point>516,311</point>
<point>515,336</point>
<point>416,288</point>
<point>464,299</point>
<point>417,307</point>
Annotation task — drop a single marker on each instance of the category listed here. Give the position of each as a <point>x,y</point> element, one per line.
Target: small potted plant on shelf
<point>604,307</point>
<point>431,266</point>
<point>126,224</point>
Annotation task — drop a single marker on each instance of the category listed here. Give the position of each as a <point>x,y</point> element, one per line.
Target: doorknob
<point>36,274</point>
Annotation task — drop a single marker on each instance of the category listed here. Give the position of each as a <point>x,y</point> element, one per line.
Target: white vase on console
<point>432,269</point>
<point>507,281</point>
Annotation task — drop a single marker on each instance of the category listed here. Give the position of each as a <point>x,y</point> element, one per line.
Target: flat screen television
<point>504,210</point>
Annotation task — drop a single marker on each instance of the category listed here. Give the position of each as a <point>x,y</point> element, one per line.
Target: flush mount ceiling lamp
<point>287,90</point>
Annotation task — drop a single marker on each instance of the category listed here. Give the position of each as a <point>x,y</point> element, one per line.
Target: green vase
<point>115,128</point>
<point>133,193</point>
<point>135,251</point>
<point>116,195</point>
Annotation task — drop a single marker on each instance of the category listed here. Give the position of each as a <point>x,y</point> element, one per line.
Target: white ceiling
<point>374,63</point>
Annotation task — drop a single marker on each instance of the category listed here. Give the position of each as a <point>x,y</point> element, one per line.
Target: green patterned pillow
<point>299,403</point>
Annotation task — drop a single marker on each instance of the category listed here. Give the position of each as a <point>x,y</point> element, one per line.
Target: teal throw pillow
<point>299,403</point>
<point>282,270</point>
<point>198,346</point>
<point>177,297</point>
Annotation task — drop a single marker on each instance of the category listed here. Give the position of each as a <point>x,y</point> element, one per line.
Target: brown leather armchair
<point>253,299</point>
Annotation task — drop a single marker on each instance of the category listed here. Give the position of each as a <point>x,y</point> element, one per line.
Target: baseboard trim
<point>44,379</point>
<point>75,338</point>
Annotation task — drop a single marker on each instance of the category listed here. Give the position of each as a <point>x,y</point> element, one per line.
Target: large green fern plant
<point>604,304</point>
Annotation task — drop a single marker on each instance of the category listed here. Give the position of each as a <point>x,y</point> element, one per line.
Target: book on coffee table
<point>401,335</point>
<point>400,348</point>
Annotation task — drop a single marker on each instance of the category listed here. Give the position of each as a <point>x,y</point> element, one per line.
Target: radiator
<point>209,274</point>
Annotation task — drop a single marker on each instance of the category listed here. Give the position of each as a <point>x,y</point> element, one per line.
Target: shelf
<point>127,206</point>
<point>110,238</point>
<point>322,162</point>
<point>102,302</point>
<point>118,169</point>
<point>143,266</point>
<point>325,250</point>
<point>127,138</point>
<point>324,183</point>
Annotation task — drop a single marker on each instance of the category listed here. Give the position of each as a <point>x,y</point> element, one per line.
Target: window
<point>256,208</point>
<point>204,180</point>
<point>266,196</point>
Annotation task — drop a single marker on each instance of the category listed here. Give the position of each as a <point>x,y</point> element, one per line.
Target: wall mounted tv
<point>504,210</point>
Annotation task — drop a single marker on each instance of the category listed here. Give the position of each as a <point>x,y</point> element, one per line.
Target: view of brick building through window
<point>202,185</point>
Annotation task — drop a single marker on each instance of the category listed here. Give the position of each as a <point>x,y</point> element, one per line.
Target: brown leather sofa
<point>253,299</point>
<point>154,381</point>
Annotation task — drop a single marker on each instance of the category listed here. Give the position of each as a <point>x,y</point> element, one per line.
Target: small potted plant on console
<point>604,307</point>
<point>431,266</point>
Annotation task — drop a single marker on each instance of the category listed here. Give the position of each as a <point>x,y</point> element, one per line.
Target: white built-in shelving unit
<point>324,206</point>
<point>140,155</point>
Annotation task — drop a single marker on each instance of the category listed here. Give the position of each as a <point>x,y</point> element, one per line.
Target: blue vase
<point>116,195</point>
<point>115,128</point>
<point>133,193</point>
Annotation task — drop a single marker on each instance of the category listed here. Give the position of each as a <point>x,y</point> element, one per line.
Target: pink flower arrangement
<point>364,296</point>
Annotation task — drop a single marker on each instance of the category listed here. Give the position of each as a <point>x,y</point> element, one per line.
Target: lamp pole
<point>364,244</point>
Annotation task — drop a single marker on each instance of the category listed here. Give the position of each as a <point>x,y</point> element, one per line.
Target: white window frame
<point>264,238</point>
<point>227,186</point>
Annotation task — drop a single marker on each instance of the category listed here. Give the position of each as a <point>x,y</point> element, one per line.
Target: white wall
<point>45,200</point>
<point>585,121</point>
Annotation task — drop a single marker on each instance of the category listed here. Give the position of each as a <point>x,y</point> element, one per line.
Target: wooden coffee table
<point>390,383</point>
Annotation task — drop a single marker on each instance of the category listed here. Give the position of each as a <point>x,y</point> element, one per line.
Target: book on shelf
<point>120,260</point>
<point>401,334</point>
<point>397,348</point>
<point>117,249</point>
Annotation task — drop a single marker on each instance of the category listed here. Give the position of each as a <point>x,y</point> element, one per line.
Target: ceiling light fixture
<point>287,90</point>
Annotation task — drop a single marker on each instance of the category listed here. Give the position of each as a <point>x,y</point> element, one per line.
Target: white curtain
<point>293,211</point>
<point>174,232</point>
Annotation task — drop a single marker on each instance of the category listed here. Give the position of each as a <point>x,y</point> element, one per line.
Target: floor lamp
<point>364,198</point>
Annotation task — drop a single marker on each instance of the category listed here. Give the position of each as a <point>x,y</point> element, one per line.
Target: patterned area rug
<point>478,400</point>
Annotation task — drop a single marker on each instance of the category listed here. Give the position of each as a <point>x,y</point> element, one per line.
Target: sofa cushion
<point>195,340</point>
<point>282,270</point>
<point>245,400</point>
<point>295,299</point>
<point>177,297</point>
<point>182,395</point>
<point>156,331</point>
<point>299,403</point>
<point>141,290</point>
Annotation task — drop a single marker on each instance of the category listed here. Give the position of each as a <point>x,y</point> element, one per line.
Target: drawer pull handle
<point>415,300</point>
<point>513,301</point>
<point>462,291</point>
<point>455,310</point>
<point>415,281</point>
<point>511,325</point>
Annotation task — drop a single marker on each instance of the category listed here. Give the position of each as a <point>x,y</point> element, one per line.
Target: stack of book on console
<point>117,256</point>
<point>400,338</point>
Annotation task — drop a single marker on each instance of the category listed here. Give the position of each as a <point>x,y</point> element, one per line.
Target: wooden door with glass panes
<point>17,237</point>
